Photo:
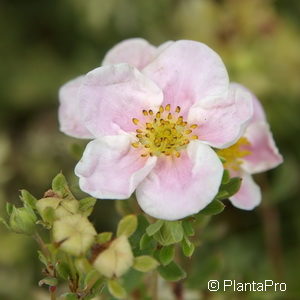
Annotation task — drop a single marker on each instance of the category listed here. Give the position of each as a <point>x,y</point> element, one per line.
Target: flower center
<point>234,153</point>
<point>164,132</point>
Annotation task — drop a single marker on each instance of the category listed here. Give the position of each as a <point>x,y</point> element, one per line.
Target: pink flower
<point>153,115</point>
<point>255,152</point>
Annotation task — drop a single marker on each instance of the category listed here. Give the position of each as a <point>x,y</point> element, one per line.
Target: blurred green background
<point>45,43</point>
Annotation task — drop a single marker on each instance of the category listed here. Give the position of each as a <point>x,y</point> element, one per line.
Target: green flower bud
<point>74,233</point>
<point>116,260</point>
<point>22,220</point>
<point>61,207</point>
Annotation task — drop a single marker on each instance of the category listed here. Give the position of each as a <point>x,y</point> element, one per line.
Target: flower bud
<point>116,259</point>
<point>61,207</point>
<point>74,233</point>
<point>22,220</point>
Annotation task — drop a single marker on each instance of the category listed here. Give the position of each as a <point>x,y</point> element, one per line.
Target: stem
<point>52,290</point>
<point>155,286</point>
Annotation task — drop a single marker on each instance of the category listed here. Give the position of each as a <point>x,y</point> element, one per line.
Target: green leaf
<point>86,205</point>
<point>69,296</point>
<point>187,247</point>
<point>61,187</point>
<point>170,233</point>
<point>226,177</point>
<point>153,228</point>
<point>48,215</point>
<point>42,258</point>
<point>233,186</point>
<point>222,195</point>
<point>28,199</point>
<point>145,263</point>
<point>116,289</point>
<point>147,242</point>
<point>4,223</point>
<point>213,208</point>
<point>91,277</point>
<point>171,272</point>
<point>63,270</point>
<point>9,208</point>
<point>188,228</point>
<point>166,254</point>
<point>48,281</point>
<point>104,237</point>
<point>127,226</point>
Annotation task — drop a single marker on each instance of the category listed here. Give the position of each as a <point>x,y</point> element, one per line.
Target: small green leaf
<point>29,199</point>
<point>170,233</point>
<point>69,296</point>
<point>222,195</point>
<point>59,183</point>
<point>48,281</point>
<point>226,177</point>
<point>116,289</point>
<point>104,237</point>
<point>145,263</point>
<point>233,186</point>
<point>91,277</point>
<point>187,247</point>
<point>213,208</point>
<point>4,223</point>
<point>147,242</point>
<point>188,228</point>
<point>86,205</point>
<point>42,258</point>
<point>166,254</point>
<point>63,270</point>
<point>153,228</point>
<point>9,208</point>
<point>127,226</point>
<point>48,215</point>
<point>171,272</point>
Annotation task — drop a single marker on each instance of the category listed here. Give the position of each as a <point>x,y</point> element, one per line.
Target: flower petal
<point>111,168</point>
<point>188,71</point>
<point>69,115</point>
<point>222,124</point>
<point>264,153</point>
<point>112,95</point>
<point>179,187</point>
<point>249,195</point>
<point>136,52</point>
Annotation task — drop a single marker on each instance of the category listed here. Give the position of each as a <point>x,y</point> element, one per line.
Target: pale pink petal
<point>111,168</point>
<point>69,114</point>
<point>249,195</point>
<point>111,96</point>
<point>179,187</point>
<point>136,52</point>
<point>188,71</point>
<point>264,153</point>
<point>221,125</point>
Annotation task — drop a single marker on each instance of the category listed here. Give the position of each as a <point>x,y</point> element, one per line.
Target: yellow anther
<point>188,131</point>
<point>161,109</point>
<point>147,146</point>
<point>145,112</point>
<point>169,116</point>
<point>194,137</point>
<point>149,125</point>
<point>177,109</point>
<point>194,126</point>
<point>144,155</point>
<point>135,121</point>
<point>135,145</point>
<point>150,112</point>
<point>139,130</point>
<point>139,135</point>
<point>177,154</point>
<point>167,108</point>
<point>158,115</point>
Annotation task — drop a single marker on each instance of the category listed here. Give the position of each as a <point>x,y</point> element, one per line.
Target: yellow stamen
<point>135,121</point>
<point>167,108</point>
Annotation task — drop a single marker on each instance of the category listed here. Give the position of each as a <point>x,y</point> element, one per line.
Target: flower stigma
<point>163,133</point>
<point>233,155</point>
